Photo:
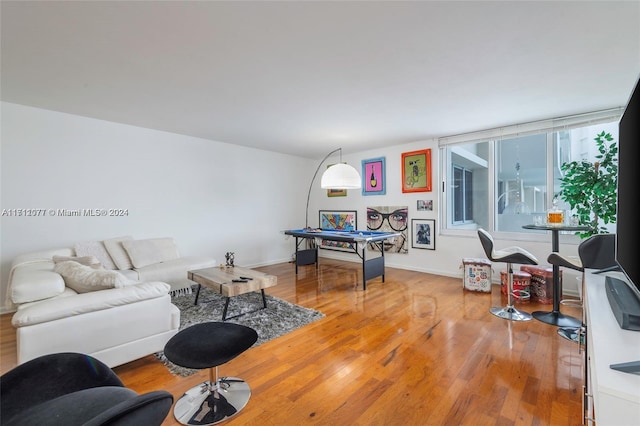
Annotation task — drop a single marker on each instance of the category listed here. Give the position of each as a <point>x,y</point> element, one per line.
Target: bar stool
<point>208,345</point>
<point>596,252</point>
<point>509,256</point>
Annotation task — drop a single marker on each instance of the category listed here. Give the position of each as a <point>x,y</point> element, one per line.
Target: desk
<point>555,317</point>
<point>357,241</point>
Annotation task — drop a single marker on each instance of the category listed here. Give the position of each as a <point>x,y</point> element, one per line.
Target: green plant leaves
<point>591,188</point>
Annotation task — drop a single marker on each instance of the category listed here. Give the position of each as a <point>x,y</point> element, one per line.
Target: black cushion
<point>209,344</point>
<point>48,377</point>
<point>75,408</point>
<point>75,389</point>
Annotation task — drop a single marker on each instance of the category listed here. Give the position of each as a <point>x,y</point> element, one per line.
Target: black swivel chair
<point>509,256</point>
<point>596,252</point>
<point>75,389</point>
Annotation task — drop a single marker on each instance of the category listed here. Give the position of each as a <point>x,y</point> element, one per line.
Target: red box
<point>541,283</point>
<point>521,285</point>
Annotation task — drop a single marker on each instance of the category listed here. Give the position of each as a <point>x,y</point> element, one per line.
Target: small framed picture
<point>425,205</point>
<point>336,192</point>
<point>423,234</point>
<point>373,177</point>
<point>416,171</point>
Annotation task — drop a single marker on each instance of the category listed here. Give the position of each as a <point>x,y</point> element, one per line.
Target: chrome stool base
<point>212,402</point>
<point>510,313</point>
<point>570,333</point>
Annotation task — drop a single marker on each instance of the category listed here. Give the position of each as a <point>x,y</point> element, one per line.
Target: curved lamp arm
<point>306,221</point>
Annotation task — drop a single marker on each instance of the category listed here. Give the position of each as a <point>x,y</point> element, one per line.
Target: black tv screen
<point>627,218</point>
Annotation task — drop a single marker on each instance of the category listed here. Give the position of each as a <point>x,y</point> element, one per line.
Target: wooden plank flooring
<point>414,350</point>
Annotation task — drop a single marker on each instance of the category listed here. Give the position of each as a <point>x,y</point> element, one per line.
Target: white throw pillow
<point>91,261</point>
<point>97,249</point>
<point>153,250</point>
<point>84,279</point>
<point>118,253</point>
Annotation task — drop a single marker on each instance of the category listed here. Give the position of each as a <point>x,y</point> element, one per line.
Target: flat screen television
<point>624,294</point>
<point>627,217</point>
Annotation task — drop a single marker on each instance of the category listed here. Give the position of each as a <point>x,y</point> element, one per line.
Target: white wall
<point>211,197</point>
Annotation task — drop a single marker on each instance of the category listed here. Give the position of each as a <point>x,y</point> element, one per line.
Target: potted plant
<point>591,188</point>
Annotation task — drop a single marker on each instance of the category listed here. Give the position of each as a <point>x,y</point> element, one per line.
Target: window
<point>462,194</point>
<point>499,179</point>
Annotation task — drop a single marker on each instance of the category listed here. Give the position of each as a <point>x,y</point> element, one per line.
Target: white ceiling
<point>303,77</point>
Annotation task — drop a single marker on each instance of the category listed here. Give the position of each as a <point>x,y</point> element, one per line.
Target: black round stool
<point>209,345</point>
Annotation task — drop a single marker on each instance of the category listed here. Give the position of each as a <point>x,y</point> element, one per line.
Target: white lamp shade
<point>340,176</point>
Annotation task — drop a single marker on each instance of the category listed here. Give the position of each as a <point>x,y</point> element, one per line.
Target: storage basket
<point>477,274</point>
<point>521,285</point>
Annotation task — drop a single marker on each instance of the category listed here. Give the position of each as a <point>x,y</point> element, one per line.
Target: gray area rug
<point>279,318</point>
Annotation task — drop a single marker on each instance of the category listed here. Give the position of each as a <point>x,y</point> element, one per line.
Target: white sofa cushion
<point>174,270</point>
<point>118,253</point>
<point>97,249</point>
<point>150,251</point>
<point>83,260</point>
<point>64,307</point>
<point>34,280</point>
<point>83,279</point>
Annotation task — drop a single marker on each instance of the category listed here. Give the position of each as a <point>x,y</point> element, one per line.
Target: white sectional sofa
<point>115,315</point>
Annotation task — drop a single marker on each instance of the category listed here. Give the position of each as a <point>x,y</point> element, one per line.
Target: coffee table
<point>230,281</point>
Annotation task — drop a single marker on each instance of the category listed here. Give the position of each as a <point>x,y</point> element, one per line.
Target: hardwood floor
<point>414,350</point>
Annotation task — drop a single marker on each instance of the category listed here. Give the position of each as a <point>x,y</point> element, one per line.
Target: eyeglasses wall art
<point>416,171</point>
<point>390,219</point>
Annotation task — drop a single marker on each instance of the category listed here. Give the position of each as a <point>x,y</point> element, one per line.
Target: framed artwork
<point>336,192</point>
<point>373,176</point>
<point>423,234</point>
<point>425,205</point>
<point>390,219</point>
<point>343,220</point>
<point>416,171</point>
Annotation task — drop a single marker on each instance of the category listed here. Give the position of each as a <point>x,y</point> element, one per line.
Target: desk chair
<point>596,252</point>
<point>507,255</point>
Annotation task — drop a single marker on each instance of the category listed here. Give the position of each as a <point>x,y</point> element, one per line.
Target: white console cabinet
<point>613,397</point>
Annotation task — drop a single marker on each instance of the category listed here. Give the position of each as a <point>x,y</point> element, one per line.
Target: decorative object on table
<point>229,258</point>
<point>555,216</point>
<point>70,388</point>
<point>424,205</point>
<point>390,219</point>
<point>337,176</point>
<point>279,318</point>
<point>374,176</point>
<point>340,220</point>
<point>509,255</point>
<point>591,188</point>
<point>423,234</point>
<point>476,274</point>
<point>416,171</point>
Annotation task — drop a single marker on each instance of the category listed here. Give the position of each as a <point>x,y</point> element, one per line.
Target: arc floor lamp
<point>338,176</point>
